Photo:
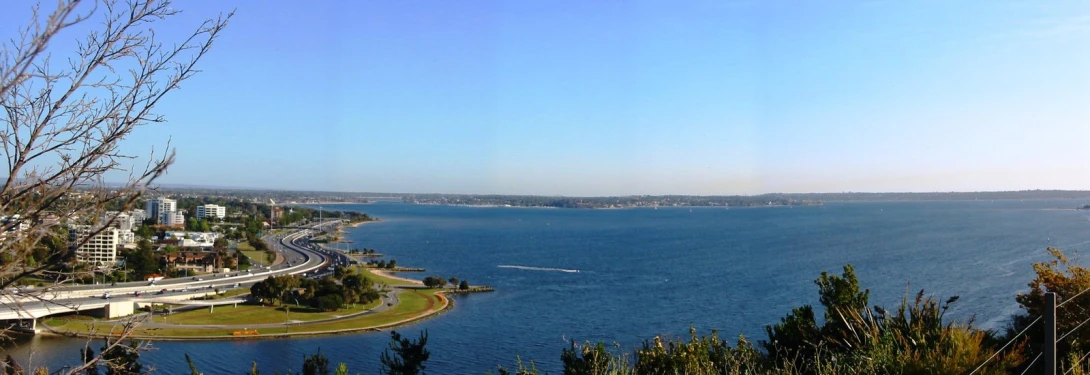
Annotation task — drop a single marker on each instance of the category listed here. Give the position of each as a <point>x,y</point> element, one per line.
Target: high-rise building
<point>156,207</point>
<point>138,216</point>
<point>171,218</point>
<point>97,249</point>
<point>211,210</point>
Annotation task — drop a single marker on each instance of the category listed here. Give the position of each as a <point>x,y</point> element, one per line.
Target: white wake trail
<point>530,268</point>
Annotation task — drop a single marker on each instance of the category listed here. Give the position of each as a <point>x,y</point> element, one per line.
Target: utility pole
<point>1050,334</point>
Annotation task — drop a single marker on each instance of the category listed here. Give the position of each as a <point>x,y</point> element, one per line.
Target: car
<point>138,294</point>
<point>236,285</point>
<point>161,291</point>
<point>106,295</point>
<point>200,279</point>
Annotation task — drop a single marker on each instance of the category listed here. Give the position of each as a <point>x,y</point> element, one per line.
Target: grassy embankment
<point>256,257</point>
<point>413,304</point>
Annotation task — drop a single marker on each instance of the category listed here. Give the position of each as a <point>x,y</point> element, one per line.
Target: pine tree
<point>409,355</point>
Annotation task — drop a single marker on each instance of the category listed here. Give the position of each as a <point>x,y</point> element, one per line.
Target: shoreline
<point>447,304</point>
<point>390,274</point>
<point>435,296</point>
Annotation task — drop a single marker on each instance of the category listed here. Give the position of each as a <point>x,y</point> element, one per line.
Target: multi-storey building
<point>138,216</point>
<point>211,210</point>
<point>98,249</point>
<point>13,223</point>
<point>156,207</point>
<point>124,222</point>
<point>171,218</point>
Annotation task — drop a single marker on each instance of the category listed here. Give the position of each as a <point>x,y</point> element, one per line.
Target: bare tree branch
<point>61,126</point>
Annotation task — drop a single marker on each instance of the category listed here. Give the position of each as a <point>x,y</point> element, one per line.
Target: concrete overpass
<point>25,308</point>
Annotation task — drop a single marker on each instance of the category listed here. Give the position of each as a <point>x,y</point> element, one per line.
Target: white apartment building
<point>171,218</point>
<point>138,216</point>
<point>156,207</point>
<point>14,223</point>
<point>124,222</point>
<point>98,249</point>
<point>211,210</point>
<point>194,239</point>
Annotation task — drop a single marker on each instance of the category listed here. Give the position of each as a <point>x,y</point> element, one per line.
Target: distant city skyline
<point>627,98</point>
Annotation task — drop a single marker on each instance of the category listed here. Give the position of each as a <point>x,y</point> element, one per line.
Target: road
<point>303,260</point>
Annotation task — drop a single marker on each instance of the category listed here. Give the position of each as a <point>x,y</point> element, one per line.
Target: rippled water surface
<point>627,275</point>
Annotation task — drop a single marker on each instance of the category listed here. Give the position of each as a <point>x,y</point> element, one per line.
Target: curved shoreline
<point>390,274</point>
<point>447,304</point>
<point>413,285</point>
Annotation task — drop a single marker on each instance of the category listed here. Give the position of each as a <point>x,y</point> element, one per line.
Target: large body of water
<point>628,275</point>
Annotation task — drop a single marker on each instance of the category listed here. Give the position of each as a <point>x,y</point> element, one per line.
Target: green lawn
<point>256,257</point>
<point>413,304</point>
<point>245,246</point>
<point>256,314</point>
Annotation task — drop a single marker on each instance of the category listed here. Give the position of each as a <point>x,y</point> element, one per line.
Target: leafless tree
<point>63,116</point>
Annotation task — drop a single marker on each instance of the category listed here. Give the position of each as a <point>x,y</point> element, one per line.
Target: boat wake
<point>529,268</point>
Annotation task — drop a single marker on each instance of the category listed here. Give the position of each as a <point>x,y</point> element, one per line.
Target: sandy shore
<point>341,230</point>
<point>358,223</point>
<point>391,275</point>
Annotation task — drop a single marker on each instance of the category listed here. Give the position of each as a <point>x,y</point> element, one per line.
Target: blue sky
<point>632,97</point>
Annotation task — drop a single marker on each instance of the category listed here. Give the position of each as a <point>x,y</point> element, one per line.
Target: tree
<point>142,260</point>
<point>585,360</point>
<point>409,355</point>
<point>87,357</point>
<point>64,116</point>
<point>121,359</point>
<point>329,302</point>
<point>192,367</point>
<point>1068,280</point>
<point>453,281</point>
<point>434,281</point>
<point>392,264</point>
<point>10,367</point>
<point>275,288</point>
<point>316,364</point>
<point>464,285</point>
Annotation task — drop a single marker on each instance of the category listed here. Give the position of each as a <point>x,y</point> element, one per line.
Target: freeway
<point>301,259</point>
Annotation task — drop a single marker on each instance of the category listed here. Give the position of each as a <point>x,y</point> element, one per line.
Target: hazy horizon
<point>243,188</point>
<point>628,98</point>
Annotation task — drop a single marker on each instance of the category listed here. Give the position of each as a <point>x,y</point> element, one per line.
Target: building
<point>13,224</point>
<point>211,210</point>
<point>171,218</point>
<point>156,207</point>
<point>200,262</point>
<point>194,239</point>
<point>122,220</point>
<point>276,212</point>
<point>138,216</point>
<point>98,249</point>
<point>125,222</point>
